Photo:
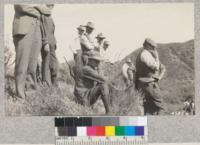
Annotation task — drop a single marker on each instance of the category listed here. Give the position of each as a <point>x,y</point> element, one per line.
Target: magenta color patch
<point>91,131</point>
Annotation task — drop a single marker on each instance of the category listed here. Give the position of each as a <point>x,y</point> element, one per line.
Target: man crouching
<point>90,85</point>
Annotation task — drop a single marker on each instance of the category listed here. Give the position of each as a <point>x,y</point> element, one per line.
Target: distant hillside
<point>178,59</point>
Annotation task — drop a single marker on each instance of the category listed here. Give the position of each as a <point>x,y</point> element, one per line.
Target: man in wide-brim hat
<point>90,85</point>
<point>86,42</point>
<point>100,37</point>
<point>89,28</point>
<point>149,71</point>
<point>76,46</point>
<point>81,28</point>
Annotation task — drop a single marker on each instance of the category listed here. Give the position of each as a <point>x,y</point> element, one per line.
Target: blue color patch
<point>139,130</point>
<point>129,130</point>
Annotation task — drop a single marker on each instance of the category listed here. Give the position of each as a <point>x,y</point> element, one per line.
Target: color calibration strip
<point>101,130</point>
<point>100,126</point>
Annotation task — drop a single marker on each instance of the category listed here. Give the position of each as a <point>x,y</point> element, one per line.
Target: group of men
<point>33,34</point>
<point>90,84</point>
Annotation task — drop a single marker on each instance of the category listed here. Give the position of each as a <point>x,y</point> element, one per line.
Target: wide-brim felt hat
<point>81,27</point>
<point>90,25</point>
<point>100,35</point>
<point>150,42</point>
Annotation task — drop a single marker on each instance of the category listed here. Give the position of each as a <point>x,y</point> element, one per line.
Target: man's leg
<point>45,67</point>
<point>54,67</point>
<point>103,91</point>
<point>35,50</point>
<point>23,49</point>
<point>153,98</point>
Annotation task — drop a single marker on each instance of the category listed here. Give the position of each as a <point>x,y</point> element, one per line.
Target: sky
<point>125,25</point>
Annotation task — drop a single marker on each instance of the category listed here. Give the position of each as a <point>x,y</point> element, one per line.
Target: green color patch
<point>119,131</point>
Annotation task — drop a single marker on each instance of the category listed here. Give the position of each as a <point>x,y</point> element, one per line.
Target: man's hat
<point>81,27</point>
<point>150,42</point>
<point>95,55</point>
<point>90,25</point>
<point>50,5</point>
<point>100,35</point>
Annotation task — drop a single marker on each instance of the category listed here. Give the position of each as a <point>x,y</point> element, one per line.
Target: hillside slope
<point>176,86</point>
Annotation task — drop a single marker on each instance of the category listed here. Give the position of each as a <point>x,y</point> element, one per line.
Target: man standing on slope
<point>50,64</point>
<point>28,42</point>
<point>149,71</point>
<point>100,39</point>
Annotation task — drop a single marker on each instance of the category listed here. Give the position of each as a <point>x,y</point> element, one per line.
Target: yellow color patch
<point>110,131</point>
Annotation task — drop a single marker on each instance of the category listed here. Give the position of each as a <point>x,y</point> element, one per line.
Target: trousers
<point>50,66</point>
<point>27,49</point>
<point>100,90</point>
<point>153,102</point>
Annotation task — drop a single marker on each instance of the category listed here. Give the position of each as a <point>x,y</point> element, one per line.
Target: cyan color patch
<point>129,130</point>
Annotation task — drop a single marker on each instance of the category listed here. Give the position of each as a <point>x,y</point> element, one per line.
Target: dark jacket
<point>142,70</point>
<point>50,64</point>
<point>48,30</point>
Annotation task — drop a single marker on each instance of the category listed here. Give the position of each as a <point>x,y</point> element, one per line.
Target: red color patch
<point>100,131</point>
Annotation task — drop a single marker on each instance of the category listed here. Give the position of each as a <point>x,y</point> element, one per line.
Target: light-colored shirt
<point>98,46</point>
<point>149,60</point>
<point>86,41</point>
<point>76,45</point>
<point>124,70</point>
<point>127,67</point>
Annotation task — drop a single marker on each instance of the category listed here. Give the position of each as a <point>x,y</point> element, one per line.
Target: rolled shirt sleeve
<point>149,60</point>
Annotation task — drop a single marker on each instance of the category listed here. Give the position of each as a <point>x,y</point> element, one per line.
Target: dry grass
<point>177,85</point>
<point>60,101</point>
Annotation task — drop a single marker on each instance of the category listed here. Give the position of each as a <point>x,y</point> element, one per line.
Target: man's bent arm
<point>91,74</point>
<point>86,43</point>
<point>27,9</point>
